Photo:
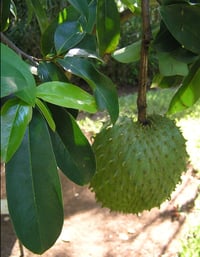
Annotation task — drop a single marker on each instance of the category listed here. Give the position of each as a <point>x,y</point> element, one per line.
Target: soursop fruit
<point>138,166</point>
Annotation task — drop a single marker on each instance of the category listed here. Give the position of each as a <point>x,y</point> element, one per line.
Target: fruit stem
<point>143,75</point>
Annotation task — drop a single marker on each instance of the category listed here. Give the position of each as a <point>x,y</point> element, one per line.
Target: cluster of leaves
<point>176,46</point>
<point>126,73</point>
<point>38,117</point>
<point>39,130</point>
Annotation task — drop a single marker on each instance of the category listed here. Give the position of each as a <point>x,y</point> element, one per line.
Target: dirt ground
<point>92,231</point>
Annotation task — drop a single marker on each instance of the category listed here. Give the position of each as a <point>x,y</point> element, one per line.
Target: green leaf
<point>30,11</point>
<point>184,55</point>
<point>40,14</point>
<point>169,66</point>
<point>5,11</point>
<point>104,89</point>
<point>89,25</point>
<point>69,15</point>
<point>48,71</point>
<point>131,4</point>
<point>108,26</point>
<point>88,43</point>
<point>164,41</point>
<point>80,6</point>
<point>46,113</point>
<point>15,116</point>
<point>47,38</point>
<point>166,82</point>
<point>16,76</point>
<point>67,35</point>
<point>73,153</point>
<point>128,54</point>
<point>78,52</point>
<point>189,92</point>
<point>182,20</point>
<point>66,95</point>
<point>34,191</point>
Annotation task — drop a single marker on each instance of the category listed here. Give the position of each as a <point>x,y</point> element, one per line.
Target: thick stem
<point>143,75</point>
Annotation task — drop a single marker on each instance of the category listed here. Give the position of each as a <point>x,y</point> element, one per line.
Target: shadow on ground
<point>92,231</point>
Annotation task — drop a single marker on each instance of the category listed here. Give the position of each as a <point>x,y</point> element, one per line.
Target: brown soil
<point>92,231</point>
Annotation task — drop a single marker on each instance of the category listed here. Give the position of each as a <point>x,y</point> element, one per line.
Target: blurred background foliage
<point>126,75</point>
<point>24,32</point>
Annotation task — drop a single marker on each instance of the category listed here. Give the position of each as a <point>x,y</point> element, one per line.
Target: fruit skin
<point>138,166</point>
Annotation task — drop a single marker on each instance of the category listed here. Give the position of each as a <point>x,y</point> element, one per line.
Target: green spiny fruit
<point>138,166</point>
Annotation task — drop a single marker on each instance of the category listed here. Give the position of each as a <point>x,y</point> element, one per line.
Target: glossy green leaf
<point>49,71</point>
<point>73,152</point>
<point>15,116</point>
<point>47,38</point>
<point>128,54</point>
<point>46,113</point>
<point>164,41</point>
<point>90,23</point>
<point>182,20</point>
<point>66,95</point>
<point>34,191</point>
<point>16,77</point>
<point>189,92</point>
<point>104,89</point>
<point>71,14</point>
<point>78,52</point>
<point>4,15</point>
<point>88,43</point>
<point>169,66</point>
<point>108,26</point>
<point>67,35</point>
<point>80,6</point>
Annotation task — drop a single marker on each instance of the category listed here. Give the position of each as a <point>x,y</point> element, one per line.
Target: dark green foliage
<point>5,10</point>
<point>127,74</point>
<point>36,208</point>
<point>17,73</point>
<point>72,150</point>
<point>47,136</point>
<point>24,30</point>
<point>107,26</point>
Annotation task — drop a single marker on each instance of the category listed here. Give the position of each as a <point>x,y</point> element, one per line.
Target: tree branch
<point>10,44</point>
<point>143,75</point>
